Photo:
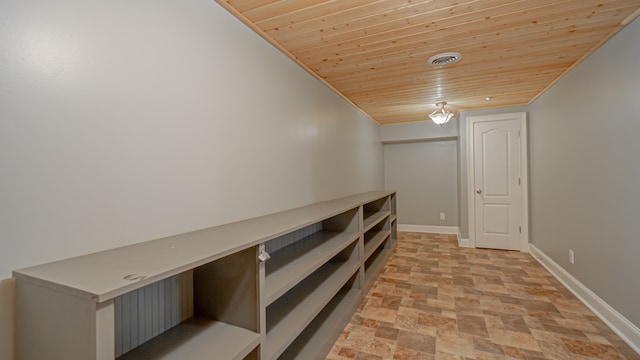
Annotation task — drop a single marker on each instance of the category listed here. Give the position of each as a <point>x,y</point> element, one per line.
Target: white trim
<point>524,177</point>
<point>470,190</point>
<point>464,243</point>
<point>618,323</point>
<point>429,229</point>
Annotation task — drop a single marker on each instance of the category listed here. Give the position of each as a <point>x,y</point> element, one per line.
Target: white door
<point>497,183</point>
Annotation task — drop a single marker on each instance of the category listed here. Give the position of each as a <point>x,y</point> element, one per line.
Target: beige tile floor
<point>434,300</point>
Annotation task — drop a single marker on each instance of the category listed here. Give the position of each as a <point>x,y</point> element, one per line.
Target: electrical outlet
<point>571,256</point>
<point>442,216</point>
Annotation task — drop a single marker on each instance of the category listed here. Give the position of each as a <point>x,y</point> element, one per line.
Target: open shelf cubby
<point>375,211</point>
<point>292,312</point>
<point>210,307</point>
<point>376,236</point>
<point>295,261</point>
<point>374,264</point>
<point>319,336</point>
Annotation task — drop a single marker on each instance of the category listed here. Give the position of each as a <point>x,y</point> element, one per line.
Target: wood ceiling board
<point>561,48</point>
<point>375,79</point>
<point>373,52</point>
<point>437,21</point>
<point>471,24</point>
<point>461,36</point>
<point>345,26</point>
<point>248,5</point>
<point>321,15</point>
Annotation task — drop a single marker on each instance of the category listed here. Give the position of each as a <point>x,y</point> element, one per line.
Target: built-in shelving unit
<point>281,286</point>
<point>377,233</point>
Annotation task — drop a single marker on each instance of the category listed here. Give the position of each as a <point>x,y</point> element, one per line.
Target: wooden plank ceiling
<point>374,52</point>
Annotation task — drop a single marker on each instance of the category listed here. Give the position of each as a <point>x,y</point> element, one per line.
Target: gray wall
<point>426,130</point>
<point>425,176</point>
<point>127,121</point>
<point>178,118</point>
<point>585,172</point>
<point>422,168</point>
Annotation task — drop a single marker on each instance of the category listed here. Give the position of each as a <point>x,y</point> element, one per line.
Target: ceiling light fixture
<point>441,116</point>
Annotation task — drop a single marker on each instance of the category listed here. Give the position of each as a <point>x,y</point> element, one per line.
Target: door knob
<point>479,191</point>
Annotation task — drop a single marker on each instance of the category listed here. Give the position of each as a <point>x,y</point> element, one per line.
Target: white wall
<point>125,121</point>
<point>585,172</point>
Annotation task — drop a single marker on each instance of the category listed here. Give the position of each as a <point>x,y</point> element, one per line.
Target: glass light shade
<point>441,116</point>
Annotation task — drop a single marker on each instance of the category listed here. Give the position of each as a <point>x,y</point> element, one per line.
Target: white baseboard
<point>437,230</point>
<point>464,243</point>
<point>428,229</point>
<point>618,323</point>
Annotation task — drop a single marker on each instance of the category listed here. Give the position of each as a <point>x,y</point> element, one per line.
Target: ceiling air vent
<point>444,59</point>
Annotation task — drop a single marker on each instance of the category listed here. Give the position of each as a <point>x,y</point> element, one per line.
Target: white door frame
<point>524,178</point>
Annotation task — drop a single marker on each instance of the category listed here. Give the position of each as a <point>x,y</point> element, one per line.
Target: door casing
<point>524,165</point>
